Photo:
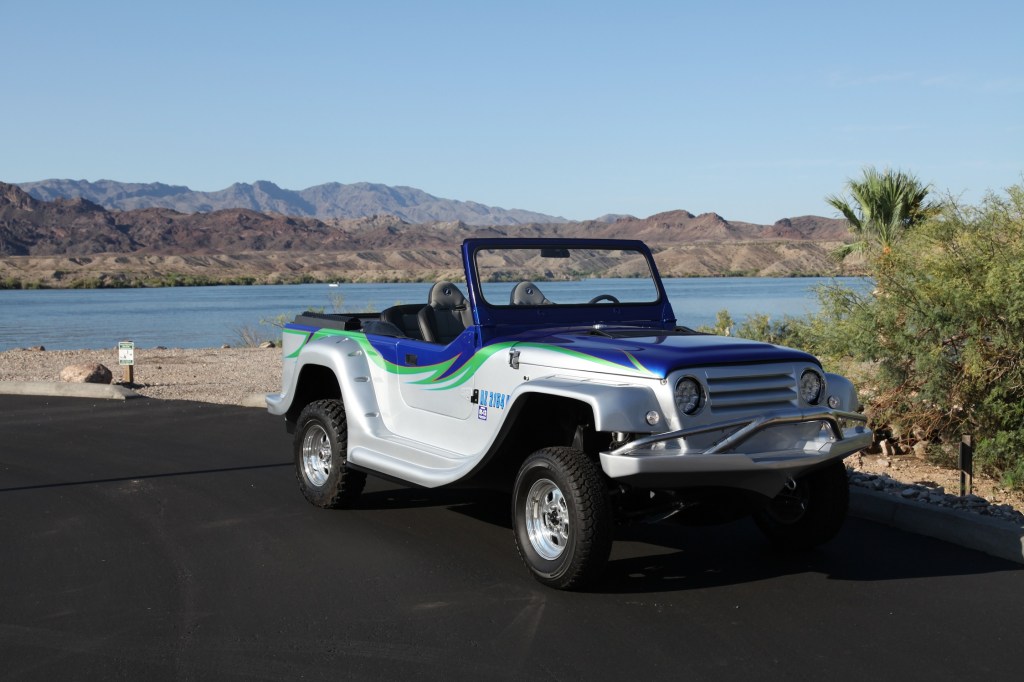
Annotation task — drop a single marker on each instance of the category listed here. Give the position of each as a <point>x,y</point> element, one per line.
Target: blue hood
<point>663,352</point>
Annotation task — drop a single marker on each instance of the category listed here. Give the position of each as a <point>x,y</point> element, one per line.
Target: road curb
<point>67,390</point>
<point>999,538</point>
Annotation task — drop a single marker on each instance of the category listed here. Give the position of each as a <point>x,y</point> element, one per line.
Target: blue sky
<point>754,110</point>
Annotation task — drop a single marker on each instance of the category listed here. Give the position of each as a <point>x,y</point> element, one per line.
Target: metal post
<point>126,358</point>
<point>966,464</point>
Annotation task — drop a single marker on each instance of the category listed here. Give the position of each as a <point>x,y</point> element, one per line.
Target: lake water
<point>207,317</point>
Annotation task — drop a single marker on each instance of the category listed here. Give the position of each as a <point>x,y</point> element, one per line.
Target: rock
<point>921,450</point>
<point>887,449</point>
<point>226,345</point>
<point>268,344</point>
<point>909,493</point>
<point>86,374</point>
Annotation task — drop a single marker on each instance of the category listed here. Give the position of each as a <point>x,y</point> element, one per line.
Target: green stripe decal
<point>432,377</point>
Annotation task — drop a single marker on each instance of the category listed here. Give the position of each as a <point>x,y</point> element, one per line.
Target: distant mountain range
<point>332,200</point>
<point>65,242</point>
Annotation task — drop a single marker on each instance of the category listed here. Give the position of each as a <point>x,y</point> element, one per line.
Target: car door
<point>437,379</point>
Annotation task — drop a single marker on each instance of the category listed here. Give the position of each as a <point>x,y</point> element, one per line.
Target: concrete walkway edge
<point>996,537</point>
<point>67,390</point>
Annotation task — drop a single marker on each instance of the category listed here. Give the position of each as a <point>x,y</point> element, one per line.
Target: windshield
<point>564,276</point>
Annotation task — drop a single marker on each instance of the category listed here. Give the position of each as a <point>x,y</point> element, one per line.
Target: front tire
<point>811,513</point>
<point>561,518</point>
<point>321,444</point>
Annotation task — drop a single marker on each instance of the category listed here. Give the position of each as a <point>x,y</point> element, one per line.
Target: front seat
<point>527,293</point>
<point>446,314</point>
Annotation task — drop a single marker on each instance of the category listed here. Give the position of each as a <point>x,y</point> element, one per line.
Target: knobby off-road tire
<point>809,515</point>
<point>321,444</point>
<point>561,518</point>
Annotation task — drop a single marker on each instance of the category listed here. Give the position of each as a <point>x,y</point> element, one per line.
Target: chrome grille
<point>746,389</point>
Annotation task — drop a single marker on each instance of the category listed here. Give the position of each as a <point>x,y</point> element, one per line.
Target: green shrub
<point>944,329</point>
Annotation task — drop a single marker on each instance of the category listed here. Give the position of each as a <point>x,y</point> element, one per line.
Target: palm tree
<point>885,205</point>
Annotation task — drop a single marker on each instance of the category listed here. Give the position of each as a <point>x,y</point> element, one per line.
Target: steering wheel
<point>604,297</point>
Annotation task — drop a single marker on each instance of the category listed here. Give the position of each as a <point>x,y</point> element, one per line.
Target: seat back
<point>446,314</point>
<point>527,293</point>
<point>405,317</point>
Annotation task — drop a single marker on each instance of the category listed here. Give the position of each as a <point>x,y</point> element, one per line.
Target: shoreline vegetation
<point>186,280</point>
<point>776,260</point>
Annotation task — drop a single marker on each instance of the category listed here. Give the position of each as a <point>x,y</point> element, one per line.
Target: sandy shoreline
<point>213,375</point>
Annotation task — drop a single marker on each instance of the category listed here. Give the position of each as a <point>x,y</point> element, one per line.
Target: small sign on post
<point>126,358</point>
<point>966,464</point>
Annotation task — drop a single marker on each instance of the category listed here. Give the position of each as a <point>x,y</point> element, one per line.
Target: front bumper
<point>664,460</point>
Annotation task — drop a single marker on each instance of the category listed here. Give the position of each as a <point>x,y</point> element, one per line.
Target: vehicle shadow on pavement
<point>488,506</point>
<point>736,553</point>
<point>142,477</point>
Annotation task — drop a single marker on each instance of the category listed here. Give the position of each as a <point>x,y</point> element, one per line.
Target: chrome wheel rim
<point>547,519</point>
<point>316,455</point>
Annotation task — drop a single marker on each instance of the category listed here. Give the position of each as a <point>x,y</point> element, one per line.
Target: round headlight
<point>811,385</point>
<point>689,396</point>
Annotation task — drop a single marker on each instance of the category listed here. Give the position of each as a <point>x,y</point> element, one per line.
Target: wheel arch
<point>314,382</point>
<point>537,420</point>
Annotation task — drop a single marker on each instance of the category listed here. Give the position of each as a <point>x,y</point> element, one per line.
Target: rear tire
<point>561,518</point>
<point>810,514</point>
<point>321,444</point>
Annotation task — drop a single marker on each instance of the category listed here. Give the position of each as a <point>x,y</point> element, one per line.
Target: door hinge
<point>513,358</point>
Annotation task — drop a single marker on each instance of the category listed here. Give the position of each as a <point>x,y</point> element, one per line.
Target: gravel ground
<point>230,375</point>
<point>212,375</point>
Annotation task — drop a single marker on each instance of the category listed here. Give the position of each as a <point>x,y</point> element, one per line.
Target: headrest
<point>527,293</point>
<point>446,296</point>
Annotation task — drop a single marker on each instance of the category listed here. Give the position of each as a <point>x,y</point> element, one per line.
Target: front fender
<point>616,406</point>
<point>844,390</point>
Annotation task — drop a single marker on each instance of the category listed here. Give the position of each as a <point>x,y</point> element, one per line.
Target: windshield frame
<point>562,276</point>
<point>649,314</point>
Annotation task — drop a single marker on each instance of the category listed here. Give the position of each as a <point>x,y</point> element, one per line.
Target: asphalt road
<point>167,540</point>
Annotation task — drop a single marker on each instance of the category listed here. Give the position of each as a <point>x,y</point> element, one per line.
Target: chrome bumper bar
<point>746,428</point>
<point>643,463</point>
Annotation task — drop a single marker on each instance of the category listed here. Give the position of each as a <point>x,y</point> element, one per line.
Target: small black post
<point>966,463</point>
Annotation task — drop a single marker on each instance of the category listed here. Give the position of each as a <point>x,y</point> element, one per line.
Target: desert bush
<point>786,331</point>
<point>944,329</point>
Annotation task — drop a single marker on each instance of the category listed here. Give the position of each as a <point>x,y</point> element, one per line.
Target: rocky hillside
<point>67,242</point>
<point>332,200</point>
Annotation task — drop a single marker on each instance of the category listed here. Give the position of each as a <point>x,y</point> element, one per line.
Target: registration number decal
<point>494,399</point>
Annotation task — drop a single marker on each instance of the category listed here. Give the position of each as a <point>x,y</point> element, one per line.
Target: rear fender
<point>345,359</point>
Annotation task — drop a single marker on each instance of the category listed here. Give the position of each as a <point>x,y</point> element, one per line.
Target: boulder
<point>86,374</point>
<point>268,344</point>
